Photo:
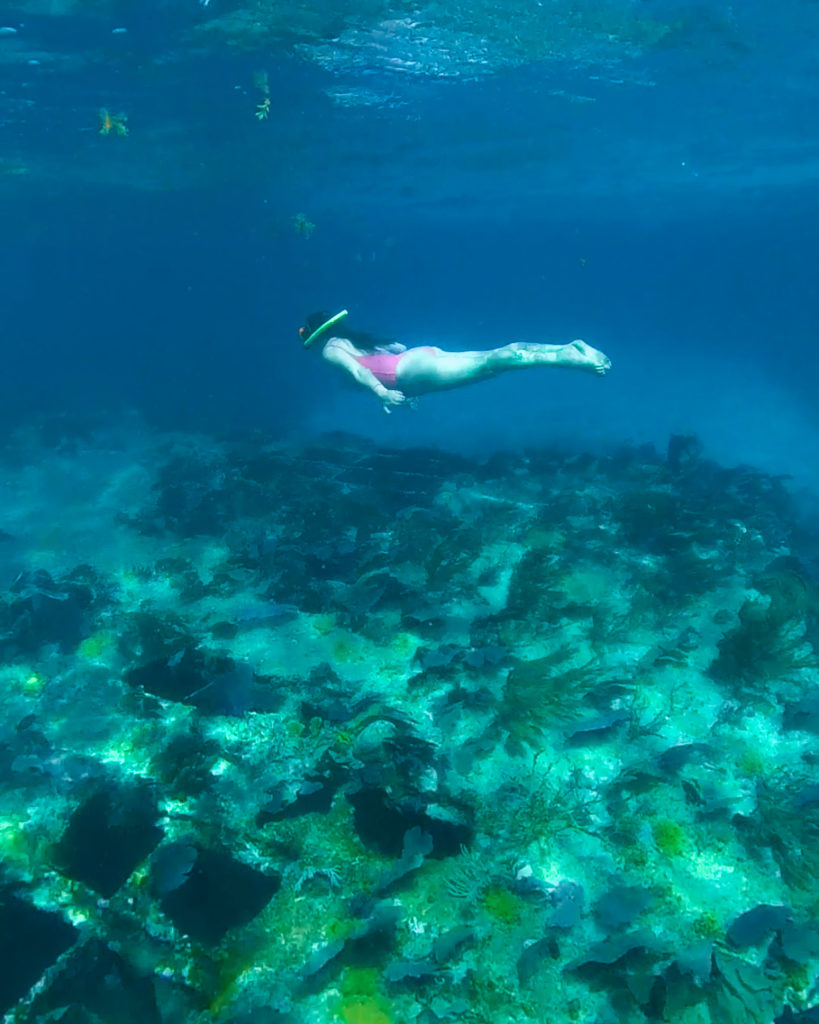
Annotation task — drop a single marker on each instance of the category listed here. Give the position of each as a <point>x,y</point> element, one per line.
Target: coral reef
<point>364,736</point>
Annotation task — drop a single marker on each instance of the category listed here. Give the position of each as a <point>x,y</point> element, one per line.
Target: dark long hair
<point>361,339</point>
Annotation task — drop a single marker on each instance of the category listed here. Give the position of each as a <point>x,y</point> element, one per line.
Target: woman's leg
<point>433,369</point>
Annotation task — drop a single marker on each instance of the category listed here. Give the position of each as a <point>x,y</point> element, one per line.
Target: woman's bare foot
<point>584,357</point>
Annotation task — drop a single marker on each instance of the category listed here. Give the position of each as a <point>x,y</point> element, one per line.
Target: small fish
<point>112,123</point>
<point>7,30</point>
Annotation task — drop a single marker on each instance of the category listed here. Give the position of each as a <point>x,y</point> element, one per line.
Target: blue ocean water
<point>500,708</point>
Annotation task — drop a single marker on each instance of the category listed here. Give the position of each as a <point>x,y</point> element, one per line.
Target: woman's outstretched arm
<point>361,375</point>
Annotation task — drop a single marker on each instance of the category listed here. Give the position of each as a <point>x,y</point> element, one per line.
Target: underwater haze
<point>504,706</point>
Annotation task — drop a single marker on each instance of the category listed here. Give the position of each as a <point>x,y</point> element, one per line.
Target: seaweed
<point>540,695</point>
<point>469,875</point>
<point>742,993</point>
<point>532,957</point>
<point>568,901</point>
<point>656,520</point>
<point>756,925</point>
<point>171,866</point>
<point>627,967</point>
<point>452,557</point>
<point>416,847</point>
<point>314,796</point>
<point>365,944</point>
<point>799,942</point>
<point>537,805</point>
<point>769,642</point>
<point>184,763</point>
<point>621,905</point>
<point>789,831</point>
<point>382,823</point>
<point>598,727</point>
<point>616,948</point>
<point>802,714</point>
<point>47,611</point>
<point>534,589</point>
<point>684,453</point>
<point>677,757</point>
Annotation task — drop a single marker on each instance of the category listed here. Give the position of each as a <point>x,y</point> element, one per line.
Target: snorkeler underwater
<point>393,372</point>
<point>505,710</point>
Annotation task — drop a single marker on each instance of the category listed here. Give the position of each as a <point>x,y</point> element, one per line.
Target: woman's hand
<point>392,399</point>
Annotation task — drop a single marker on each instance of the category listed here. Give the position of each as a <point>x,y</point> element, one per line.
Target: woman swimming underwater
<point>395,373</point>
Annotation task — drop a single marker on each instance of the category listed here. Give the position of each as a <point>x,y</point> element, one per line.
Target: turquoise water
<point>500,709</point>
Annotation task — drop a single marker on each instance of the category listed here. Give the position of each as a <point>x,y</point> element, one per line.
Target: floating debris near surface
<point>334,732</point>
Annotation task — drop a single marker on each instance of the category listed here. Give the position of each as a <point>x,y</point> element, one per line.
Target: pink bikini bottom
<point>383,365</point>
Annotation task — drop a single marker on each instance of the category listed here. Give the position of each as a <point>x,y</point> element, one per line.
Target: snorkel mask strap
<point>308,341</point>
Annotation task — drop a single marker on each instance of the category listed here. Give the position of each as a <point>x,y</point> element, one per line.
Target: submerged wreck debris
<point>339,733</point>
